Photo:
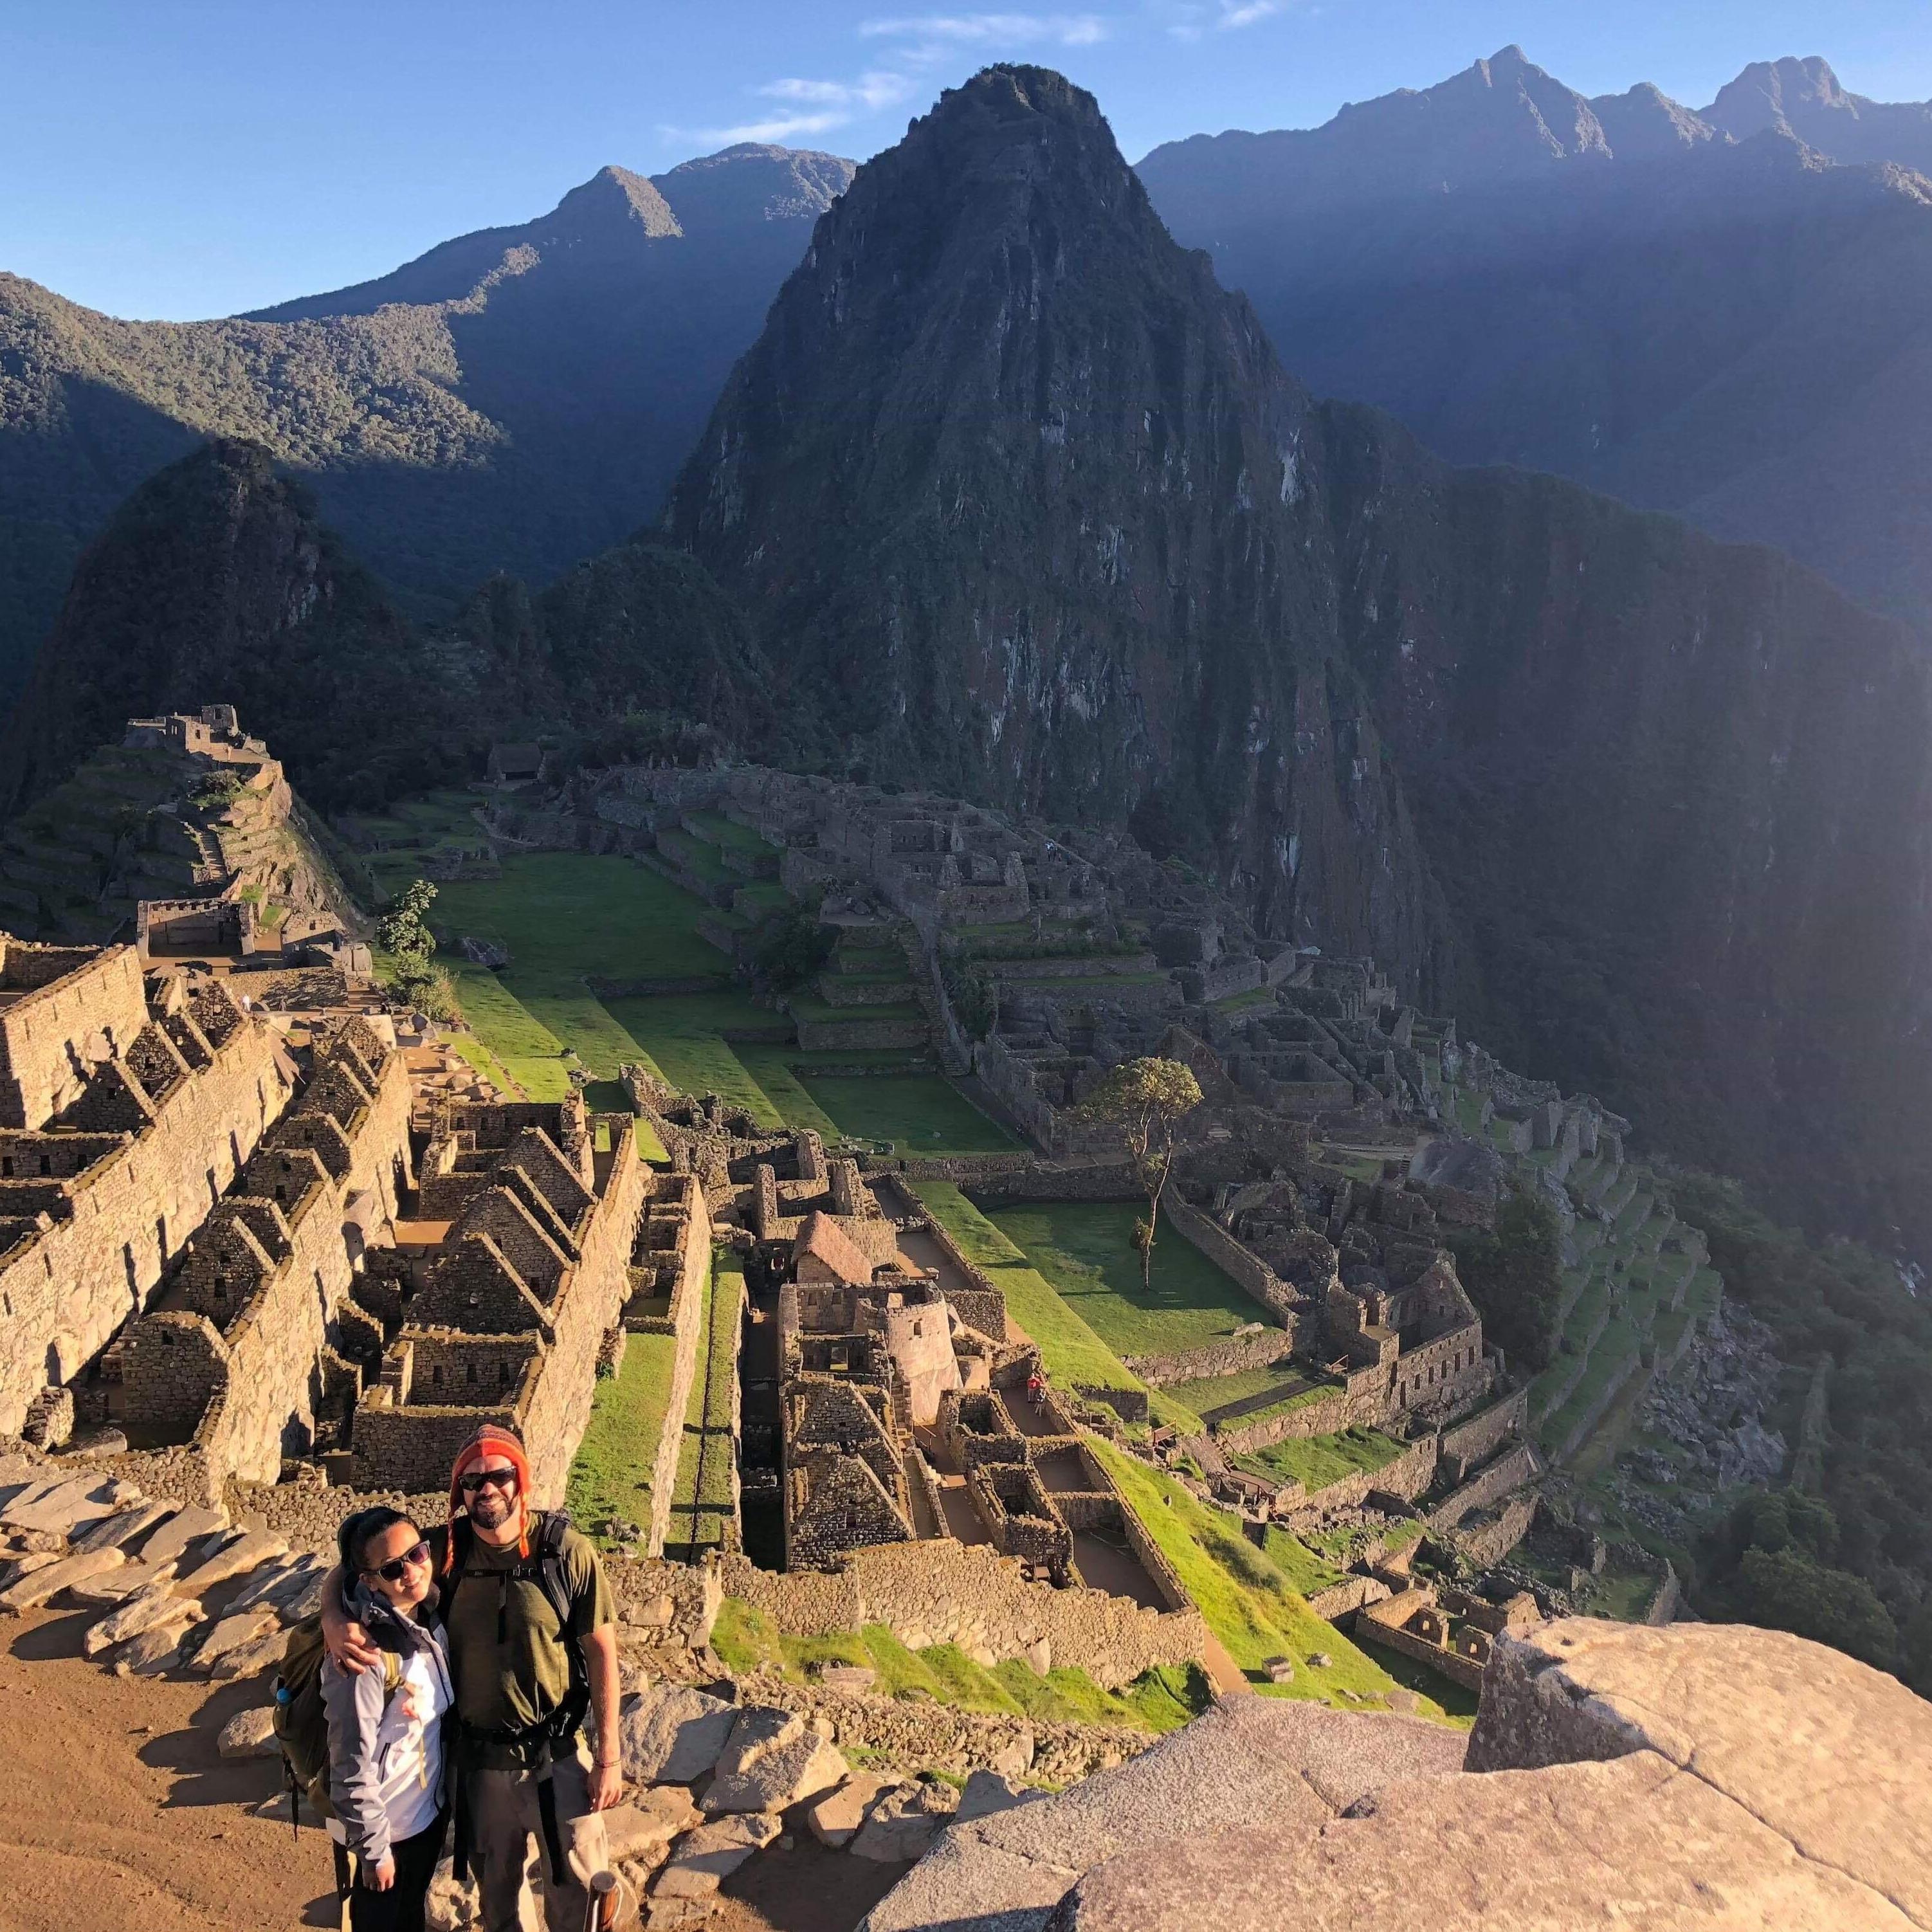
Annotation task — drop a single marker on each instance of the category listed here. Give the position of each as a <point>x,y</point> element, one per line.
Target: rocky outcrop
<point>1690,1776</point>
<point>1248,1762</point>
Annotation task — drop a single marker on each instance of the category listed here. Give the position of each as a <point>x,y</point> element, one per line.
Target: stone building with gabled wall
<point>255,1348</point>
<point>505,1315</point>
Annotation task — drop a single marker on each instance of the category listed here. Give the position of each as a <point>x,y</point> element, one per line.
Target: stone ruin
<point>188,839</point>
<point>519,1258</point>
<point>224,1253</point>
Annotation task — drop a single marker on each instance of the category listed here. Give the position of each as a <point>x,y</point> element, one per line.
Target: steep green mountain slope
<point>1696,313</point>
<point>217,582</point>
<point>515,400</point>
<point>1025,504</point>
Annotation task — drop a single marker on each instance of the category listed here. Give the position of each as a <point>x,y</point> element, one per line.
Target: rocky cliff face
<point>1696,313</point>
<point>1022,502</point>
<point>515,400</point>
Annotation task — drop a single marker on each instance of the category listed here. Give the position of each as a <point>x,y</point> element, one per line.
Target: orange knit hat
<point>489,1441</point>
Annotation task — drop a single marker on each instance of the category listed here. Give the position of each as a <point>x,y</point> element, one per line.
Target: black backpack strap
<point>553,1528</point>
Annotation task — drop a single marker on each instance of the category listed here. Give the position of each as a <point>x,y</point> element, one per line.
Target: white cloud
<point>779,128</point>
<point>1235,13</point>
<point>873,90</point>
<point>934,35</point>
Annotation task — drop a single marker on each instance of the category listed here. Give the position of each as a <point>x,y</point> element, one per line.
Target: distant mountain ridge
<point>1725,314</point>
<point>517,399</point>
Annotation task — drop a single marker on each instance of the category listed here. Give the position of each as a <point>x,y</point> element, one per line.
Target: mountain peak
<point>1805,98</point>
<point>753,182</point>
<point>613,202</point>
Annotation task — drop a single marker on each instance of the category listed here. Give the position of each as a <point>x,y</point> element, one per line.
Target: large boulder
<point>1250,1761</point>
<point>1779,1727</point>
<point>1632,1844</point>
<point>903,1821</point>
<point>672,1734</point>
<point>704,1859</point>
<point>835,1817</point>
<point>772,1760</point>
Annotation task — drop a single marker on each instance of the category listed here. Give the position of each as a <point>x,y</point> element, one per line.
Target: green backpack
<point>300,1723</point>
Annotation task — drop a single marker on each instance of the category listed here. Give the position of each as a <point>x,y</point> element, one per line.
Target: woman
<point>385,1757</point>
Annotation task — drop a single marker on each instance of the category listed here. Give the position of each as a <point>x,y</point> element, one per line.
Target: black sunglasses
<point>392,1572</point>
<point>504,1479</point>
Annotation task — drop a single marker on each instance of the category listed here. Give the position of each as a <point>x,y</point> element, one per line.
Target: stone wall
<point>1259,1348</point>
<point>947,1592</point>
<point>1489,1537</point>
<point>559,1409</point>
<point>1345,1598</point>
<point>65,1293</point>
<point>1465,1671</point>
<point>1509,1472</point>
<point>1466,1445</point>
<point>73,1008</point>
<point>277,1341</point>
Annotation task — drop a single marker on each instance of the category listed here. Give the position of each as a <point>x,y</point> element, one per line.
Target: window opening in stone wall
<point>46,1164</point>
<point>6,1167</point>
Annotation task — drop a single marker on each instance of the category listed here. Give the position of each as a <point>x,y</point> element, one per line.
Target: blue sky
<point>176,158</point>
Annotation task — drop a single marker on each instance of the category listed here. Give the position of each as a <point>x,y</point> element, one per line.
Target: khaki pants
<point>504,1819</point>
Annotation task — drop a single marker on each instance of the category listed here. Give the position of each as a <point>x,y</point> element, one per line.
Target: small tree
<point>1147,1100</point>
<point>403,932</point>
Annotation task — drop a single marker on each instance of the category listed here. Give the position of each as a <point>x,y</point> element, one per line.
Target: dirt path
<point>116,1813</point>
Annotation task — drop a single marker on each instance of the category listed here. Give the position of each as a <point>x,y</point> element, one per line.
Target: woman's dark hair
<point>358,1532</point>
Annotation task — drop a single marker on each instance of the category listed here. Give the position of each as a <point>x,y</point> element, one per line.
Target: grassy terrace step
<point>610,1480</point>
<point>1157,1700</point>
<point>716,829</point>
<point>809,1010</point>
<point>702,1504</point>
<point>1617,1349</point>
<point>1250,1602</point>
<point>1074,1354</point>
<point>702,861</point>
<point>1316,1461</point>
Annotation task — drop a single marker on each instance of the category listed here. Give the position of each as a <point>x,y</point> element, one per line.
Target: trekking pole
<point>600,1913</point>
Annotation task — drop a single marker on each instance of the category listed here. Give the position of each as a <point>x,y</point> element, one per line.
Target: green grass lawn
<point>1316,1461</point>
<point>701,1503</point>
<point>1213,1392</point>
<point>729,835</point>
<point>808,1008</point>
<point>920,1114</point>
<point>611,1477</point>
<point>1085,1250</point>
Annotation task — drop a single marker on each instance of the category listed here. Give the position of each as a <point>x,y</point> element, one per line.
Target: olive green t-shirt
<point>510,1683</point>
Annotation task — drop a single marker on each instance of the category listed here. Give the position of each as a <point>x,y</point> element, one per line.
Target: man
<point>525,1677</point>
